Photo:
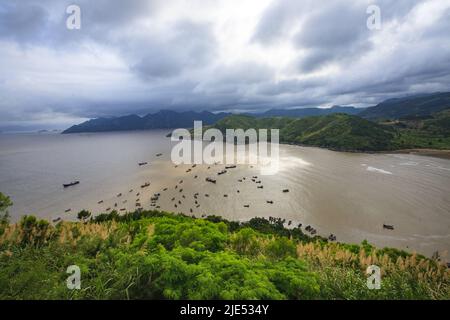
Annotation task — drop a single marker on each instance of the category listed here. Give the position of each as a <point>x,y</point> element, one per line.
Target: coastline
<point>443,154</point>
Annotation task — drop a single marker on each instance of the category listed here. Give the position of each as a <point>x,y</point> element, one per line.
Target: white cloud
<point>140,56</point>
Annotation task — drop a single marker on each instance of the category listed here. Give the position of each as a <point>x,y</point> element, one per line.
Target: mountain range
<point>164,119</point>
<point>167,119</point>
<point>417,106</point>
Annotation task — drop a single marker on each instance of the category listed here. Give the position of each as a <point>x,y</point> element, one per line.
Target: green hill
<point>336,131</point>
<point>412,106</point>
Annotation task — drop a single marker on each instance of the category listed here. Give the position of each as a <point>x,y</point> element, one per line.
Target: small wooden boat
<point>100,202</point>
<point>68,210</point>
<point>286,190</point>
<point>56,220</point>
<point>222,172</point>
<point>159,154</point>
<point>269,201</point>
<point>74,183</point>
<point>211,180</point>
<point>108,209</point>
<point>260,187</point>
<point>388,227</point>
<point>231,167</point>
<point>142,163</point>
<point>145,185</point>
<point>246,206</point>
<point>119,195</point>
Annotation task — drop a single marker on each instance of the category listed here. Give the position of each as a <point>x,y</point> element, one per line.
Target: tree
<point>5,203</point>
<point>281,248</point>
<point>83,215</point>
<point>245,242</point>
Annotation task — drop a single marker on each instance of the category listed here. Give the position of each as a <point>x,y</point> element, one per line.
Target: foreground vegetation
<point>159,255</point>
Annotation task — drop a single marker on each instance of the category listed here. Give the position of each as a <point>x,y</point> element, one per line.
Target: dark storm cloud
<point>22,23</point>
<point>335,33</point>
<point>140,56</point>
<point>188,45</point>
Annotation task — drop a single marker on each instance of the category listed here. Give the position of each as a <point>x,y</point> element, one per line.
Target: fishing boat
<point>211,180</point>
<point>66,185</point>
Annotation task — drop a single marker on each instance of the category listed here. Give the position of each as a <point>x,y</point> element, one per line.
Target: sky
<point>141,56</point>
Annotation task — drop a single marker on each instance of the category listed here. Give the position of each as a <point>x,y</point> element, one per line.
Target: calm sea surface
<point>349,195</point>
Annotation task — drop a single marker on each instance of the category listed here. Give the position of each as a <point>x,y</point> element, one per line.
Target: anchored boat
<point>66,185</point>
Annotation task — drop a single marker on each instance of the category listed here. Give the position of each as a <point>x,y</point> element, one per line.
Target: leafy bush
<point>158,255</point>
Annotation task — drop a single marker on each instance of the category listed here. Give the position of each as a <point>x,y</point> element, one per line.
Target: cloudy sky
<point>140,56</point>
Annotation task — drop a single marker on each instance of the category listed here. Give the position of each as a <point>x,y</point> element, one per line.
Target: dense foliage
<point>336,131</point>
<point>158,255</point>
<point>345,132</point>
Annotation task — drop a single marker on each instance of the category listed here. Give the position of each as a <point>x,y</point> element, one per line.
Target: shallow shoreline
<point>443,154</point>
<point>438,153</point>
